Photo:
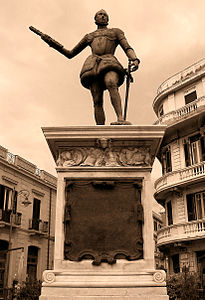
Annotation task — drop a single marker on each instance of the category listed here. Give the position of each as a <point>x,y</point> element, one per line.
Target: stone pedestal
<point>104,247</point>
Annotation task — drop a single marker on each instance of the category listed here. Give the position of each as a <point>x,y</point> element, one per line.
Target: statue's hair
<point>102,10</point>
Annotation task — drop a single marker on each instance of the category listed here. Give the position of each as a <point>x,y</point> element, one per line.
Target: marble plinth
<point>116,285</point>
<point>104,154</point>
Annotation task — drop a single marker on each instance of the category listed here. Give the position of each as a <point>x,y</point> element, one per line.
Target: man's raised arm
<point>59,47</point>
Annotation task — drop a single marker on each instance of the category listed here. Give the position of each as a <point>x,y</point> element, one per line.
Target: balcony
<point>5,218</point>
<point>181,113</point>
<point>192,72</point>
<point>181,232</point>
<point>37,226</point>
<point>179,177</point>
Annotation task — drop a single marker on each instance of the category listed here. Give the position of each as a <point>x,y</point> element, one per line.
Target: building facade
<point>157,224</point>
<point>27,213</point>
<point>180,104</point>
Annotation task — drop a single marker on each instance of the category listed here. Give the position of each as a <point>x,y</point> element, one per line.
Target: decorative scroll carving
<point>72,157</point>
<point>103,221</point>
<point>159,276</point>
<point>93,157</point>
<point>48,276</point>
<point>105,157</point>
<point>134,156</point>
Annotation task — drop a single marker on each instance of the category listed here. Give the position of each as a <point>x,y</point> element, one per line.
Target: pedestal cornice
<point>104,146</point>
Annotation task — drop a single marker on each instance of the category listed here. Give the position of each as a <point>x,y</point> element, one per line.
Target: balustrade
<point>175,115</point>
<point>183,231</point>
<point>180,176</point>
<point>186,74</point>
<point>195,227</point>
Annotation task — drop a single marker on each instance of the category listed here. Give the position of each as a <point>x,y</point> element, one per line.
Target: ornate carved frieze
<point>105,156</point>
<point>103,221</point>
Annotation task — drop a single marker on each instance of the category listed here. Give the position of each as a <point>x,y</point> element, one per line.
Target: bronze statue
<point>101,69</point>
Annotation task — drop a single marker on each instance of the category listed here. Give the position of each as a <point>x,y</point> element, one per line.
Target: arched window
<point>3,252</point>
<point>32,262</point>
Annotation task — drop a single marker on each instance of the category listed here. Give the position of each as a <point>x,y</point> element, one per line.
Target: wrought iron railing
<point>5,216</point>
<point>38,225</point>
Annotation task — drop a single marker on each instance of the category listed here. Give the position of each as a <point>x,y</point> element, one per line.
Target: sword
<point>129,79</point>
<point>46,38</point>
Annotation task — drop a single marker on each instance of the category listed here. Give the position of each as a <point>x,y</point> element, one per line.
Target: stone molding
<point>10,180</point>
<point>38,193</point>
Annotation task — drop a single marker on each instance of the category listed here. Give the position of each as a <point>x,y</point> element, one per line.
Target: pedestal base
<point>104,246</point>
<point>139,285</point>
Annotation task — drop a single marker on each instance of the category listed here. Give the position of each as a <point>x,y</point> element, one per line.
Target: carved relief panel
<point>108,157</point>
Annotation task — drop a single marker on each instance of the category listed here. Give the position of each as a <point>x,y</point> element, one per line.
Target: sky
<point>39,87</point>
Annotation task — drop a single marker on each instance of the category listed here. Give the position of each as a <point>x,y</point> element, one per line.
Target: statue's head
<point>101,17</point>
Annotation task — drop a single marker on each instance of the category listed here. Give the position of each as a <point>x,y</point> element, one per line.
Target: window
<point>160,111</point>
<point>166,160</point>
<point>196,206</point>
<point>194,150</point>
<point>32,262</point>
<point>190,97</point>
<point>155,225</point>
<point>169,213</point>
<point>36,214</point>
<point>6,195</point>
<point>176,265</point>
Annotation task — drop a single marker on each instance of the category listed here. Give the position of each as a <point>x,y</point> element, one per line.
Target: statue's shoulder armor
<point>89,37</point>
<point>118,33</point>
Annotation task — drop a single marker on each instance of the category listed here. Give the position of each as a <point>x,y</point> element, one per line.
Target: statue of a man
<point>101,69</point>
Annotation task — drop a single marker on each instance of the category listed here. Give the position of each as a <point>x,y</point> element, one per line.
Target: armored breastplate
<point>103,41</point>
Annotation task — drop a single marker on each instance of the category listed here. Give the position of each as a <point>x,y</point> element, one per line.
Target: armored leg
<point>111,82</point>
<point>97,94</point>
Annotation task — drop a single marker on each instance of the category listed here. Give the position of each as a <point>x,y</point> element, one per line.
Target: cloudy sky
<point>40,87</point>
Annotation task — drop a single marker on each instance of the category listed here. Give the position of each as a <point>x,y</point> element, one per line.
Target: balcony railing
<point>38,225</point>
<point>180,176</point>
<point>5,216</point>
<point>191,71</point>
<point>180,232</point>
<point>178,114</point>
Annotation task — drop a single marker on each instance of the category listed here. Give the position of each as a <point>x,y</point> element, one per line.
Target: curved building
<point>180,104</point>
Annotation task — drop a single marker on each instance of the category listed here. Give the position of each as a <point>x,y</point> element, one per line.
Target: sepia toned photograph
<point>102,150</point>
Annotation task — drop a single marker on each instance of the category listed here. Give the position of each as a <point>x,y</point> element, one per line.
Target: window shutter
<point>163,164</point>
<point>169,213</point>
<point>202,148</point>
<point>168,160</point>
<point>186,154</point>
<point>2,189</point>
<point>14,202</point>
<point>191,207</point>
